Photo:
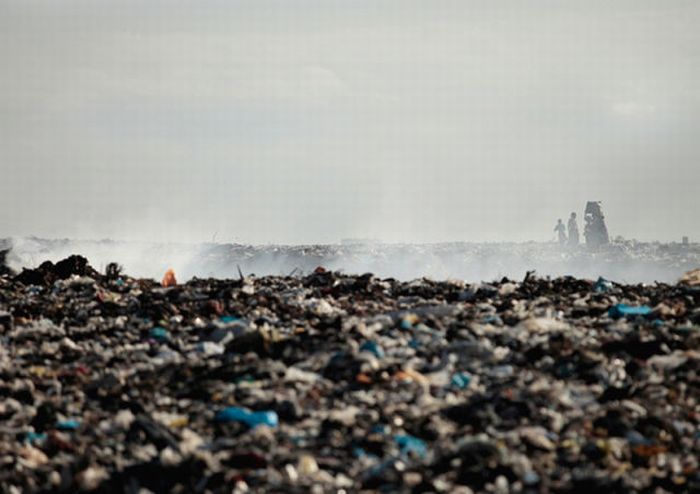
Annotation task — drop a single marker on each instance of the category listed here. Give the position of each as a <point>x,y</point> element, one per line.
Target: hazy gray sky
<point>308,121</point>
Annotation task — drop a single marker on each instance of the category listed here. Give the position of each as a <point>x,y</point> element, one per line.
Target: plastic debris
<point>624,310</point>
<point>251,419</point>
<point>32,437</point>
<point>603,285</point>
<point>158,333</point>
<point>210,348</point>
<point>67,425</point>
<point>328,381</point>
<point>373,348</point>
<point>307,465</point>
<point>461,380</point>
<point>411,445</point>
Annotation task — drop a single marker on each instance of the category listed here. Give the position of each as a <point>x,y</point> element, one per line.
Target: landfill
<point>331,382</point>
<point>622,260</point>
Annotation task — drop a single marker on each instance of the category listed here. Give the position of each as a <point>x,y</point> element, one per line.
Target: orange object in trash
<point>169,278</point>
<point>363,379</point>
<point>410,375</point>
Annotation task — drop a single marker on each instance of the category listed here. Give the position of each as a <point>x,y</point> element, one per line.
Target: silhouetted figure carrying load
<point>595,230</point>
<point>573,230</point>
<point>561,230</point>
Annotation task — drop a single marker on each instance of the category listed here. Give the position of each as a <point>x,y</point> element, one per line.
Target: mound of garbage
<point>340,383</point>
<point>622,261</point>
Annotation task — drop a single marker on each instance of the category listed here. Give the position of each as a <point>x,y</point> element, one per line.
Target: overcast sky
<point>300,121</point>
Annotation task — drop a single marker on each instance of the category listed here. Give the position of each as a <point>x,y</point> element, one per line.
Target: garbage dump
<point>329,382</point>
<point>626,261</point>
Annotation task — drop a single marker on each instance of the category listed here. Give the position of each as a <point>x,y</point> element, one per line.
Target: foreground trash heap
<point>338,383</point>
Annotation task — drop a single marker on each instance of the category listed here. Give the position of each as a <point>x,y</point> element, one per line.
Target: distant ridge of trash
<point>622,261</point>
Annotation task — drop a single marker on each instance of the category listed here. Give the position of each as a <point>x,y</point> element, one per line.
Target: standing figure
<point>573,230</point>
<point>561,230</point>
<point>595,230</point>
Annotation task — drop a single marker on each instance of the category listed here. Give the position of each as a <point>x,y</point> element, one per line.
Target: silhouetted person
<point>595,230</point>
<point>573,230</point>
<point>561,230</point>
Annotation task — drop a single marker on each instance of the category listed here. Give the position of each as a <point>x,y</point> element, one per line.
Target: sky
<point>299,121</point>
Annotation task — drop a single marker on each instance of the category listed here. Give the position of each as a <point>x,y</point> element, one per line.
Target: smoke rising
<point>630,262</point>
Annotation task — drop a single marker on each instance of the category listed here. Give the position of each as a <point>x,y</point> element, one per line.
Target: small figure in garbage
<point>573,230</point>
<point>595,230</point>
<point>561,230</point>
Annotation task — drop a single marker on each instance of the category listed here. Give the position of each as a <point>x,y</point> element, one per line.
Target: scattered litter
<point>624,310</point>
<point>603,285</point>
<point>330,382</point>
<point>251,419</point>
<point>411,445</point>
<point>67,425</point>
<point>461,380</point>
<point>159,334</point>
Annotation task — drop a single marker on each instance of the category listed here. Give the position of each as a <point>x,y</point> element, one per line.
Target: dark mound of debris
<point>48,273</point>
<point>4,268</point>
<point>339,383</point>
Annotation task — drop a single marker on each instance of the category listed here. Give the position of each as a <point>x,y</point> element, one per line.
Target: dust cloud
<point>621,261</point>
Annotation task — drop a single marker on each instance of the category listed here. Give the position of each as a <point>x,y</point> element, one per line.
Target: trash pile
<point>338,383</point>
<point>624,261</point>
<point>4,269</point>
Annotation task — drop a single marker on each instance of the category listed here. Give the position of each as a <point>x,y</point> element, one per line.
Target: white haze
<point>310,121</point>
<point>627,262</point>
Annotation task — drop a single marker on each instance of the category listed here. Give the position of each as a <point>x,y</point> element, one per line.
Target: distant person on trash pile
<point>573,230</point>
<point>561,230</point>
